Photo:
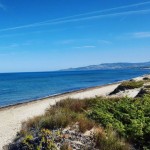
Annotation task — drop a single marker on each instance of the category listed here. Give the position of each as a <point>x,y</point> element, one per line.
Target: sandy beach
<point>11,117</point>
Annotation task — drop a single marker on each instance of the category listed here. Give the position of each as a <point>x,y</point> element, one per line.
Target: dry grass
<point>59,118</point>
<point>108,140</point>
<point>66,112</point>
<point>85,123</point>
<point>69,112</point>
<point>75,105</point>
<point>31,123</point>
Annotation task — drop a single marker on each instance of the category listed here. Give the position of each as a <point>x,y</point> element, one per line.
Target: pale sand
<point>11,117</point>
<point>141,77</point>
<point>133,92</point>
<point>130,93</point>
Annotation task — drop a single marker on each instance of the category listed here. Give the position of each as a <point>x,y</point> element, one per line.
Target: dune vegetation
<point>118,123</point>
<point>128,116</point>
<point>128,85</point>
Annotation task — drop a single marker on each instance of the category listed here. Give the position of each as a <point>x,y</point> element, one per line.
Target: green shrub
<point>129,117</point>
<point>44,142</point>
<point>132,84</point>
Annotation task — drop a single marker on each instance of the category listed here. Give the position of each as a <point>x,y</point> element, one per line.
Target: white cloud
<point>13,45</point>
<point>16,45</point>
<point>86,46</point>
<point>104,41</point>
<point>134,35</point>
<point>65,42</point>
<point>140,35</point>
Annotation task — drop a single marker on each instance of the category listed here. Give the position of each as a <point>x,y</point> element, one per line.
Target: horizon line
<point>57,70</point>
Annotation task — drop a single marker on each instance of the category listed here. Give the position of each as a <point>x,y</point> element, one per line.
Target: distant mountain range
<point>145,65</point>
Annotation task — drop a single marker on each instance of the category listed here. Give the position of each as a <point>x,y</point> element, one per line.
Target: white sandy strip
<point>141,77</point>
<point>12,117</point>
<point>130,93</point>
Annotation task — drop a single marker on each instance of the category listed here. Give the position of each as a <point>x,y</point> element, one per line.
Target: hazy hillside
<point>111,66</point>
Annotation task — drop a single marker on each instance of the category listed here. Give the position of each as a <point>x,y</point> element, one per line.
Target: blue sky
<point>44,35</point>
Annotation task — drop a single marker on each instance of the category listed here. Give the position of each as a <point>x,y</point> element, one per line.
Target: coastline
<point>15,95</point>
<point>57,95</point>
<point>12,116</point>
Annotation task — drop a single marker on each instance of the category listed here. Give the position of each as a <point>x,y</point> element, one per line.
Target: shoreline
<point>12,116</point>
<point>58,95</point>
<point>26,101</point>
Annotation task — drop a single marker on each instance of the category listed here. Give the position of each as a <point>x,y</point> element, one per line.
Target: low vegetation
<point>127,85</point>
<point>109,140</point>
<point>114,122</point>
<point>36,132</point>
<point>61,115</point>
<point>31,144</point>
<point>129,117</point>
<point>132,84</point>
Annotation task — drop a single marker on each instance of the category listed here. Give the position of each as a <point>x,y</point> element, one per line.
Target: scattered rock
<point>71,135</point>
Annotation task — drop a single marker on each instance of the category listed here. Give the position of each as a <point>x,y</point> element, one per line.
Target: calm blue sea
<point>21,87</point>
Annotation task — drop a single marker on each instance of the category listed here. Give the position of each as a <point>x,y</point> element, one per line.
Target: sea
<point>23,87</point>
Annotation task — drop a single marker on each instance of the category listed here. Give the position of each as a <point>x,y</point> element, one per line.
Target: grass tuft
<point>85,123</point>
<point>108,140</point>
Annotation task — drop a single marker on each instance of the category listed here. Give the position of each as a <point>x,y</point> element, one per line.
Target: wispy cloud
<point>86,16</point>
<point>99,11</point>
<point>15,45</point>
<point>2,6</point>
<point>134,35</point>
<point>104,42</point>
<point>85,46</point>
<point>140,35</point>
<point>66,42</point>
<point>5,35</point>
<point>9,46</point>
